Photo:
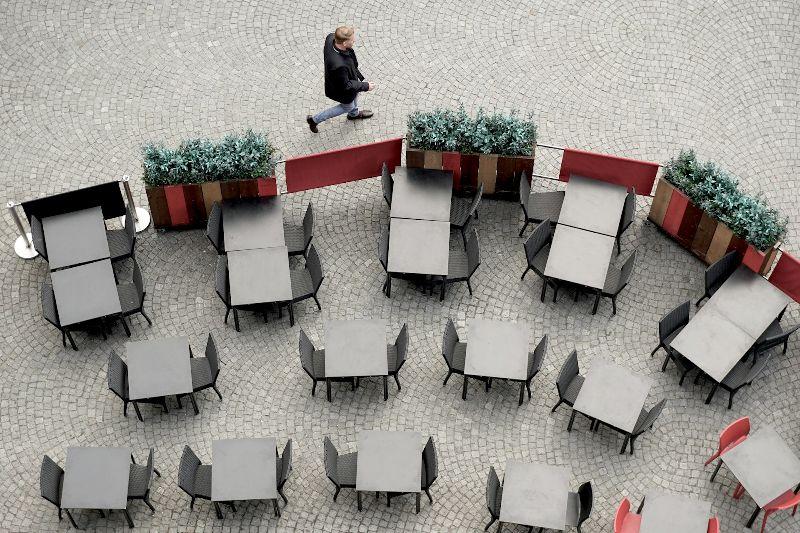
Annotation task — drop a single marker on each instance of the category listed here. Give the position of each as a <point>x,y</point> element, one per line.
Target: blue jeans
<point>351,109</point>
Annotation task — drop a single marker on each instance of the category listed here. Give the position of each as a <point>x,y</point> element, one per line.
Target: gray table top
<point>536,495</point>
<point>75,238</point>
<point>158,367</point>
<point>419,246</point>
<point>764,464</point>
<point>749,301</point>
<point>613,394</point>
<point>665,512</point>
<point>253,223</point>
<point>422,194</point>
<point>96,478</point>
<point>243,469</point>
<point>592,205</point>
<point>85,292</point>
<point>259,276</point>
<point>355,348</point>
<point>389,461</point>
<point>497,349</point>
<point>579,256</point>
<point>712,342</point>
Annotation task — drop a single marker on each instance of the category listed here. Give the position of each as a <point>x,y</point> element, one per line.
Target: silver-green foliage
<point>716,192</point>
<point>447,130</point>
<point>237,156</point>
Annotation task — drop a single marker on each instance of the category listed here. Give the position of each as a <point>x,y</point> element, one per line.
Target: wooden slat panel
<point>433,160</point>
<point>211,194</point>
<point>452,161</point>
<point>415,158</point>
<point>703,236</point>
<point>660,202</point>
<point>229,189</point>
<point>719,243</point>
<point>487,172</point>
<point>159,211</point>
<point>469,172</point>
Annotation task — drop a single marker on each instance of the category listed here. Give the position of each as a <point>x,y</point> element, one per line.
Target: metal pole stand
<point>23,246</point>
<point>140,214</point>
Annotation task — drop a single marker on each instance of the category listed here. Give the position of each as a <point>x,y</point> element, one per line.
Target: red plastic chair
<point>713,525</point>
<point>626,521</point>
<point>784,501</point>
<point>731,436</point>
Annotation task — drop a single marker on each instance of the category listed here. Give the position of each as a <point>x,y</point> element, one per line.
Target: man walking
<point>343,80</point>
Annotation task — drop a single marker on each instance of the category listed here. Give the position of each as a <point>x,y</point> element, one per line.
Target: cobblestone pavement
<point>83,85</point>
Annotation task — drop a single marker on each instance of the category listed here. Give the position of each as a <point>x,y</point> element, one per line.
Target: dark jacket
<point>343,80</point>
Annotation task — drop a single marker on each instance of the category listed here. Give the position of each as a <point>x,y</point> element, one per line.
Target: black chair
<point>37,236</point>
<point>383,257</point>
<point>131,296</point>
<point>430,471</point>
<point>312,361</point>
<point>628,213</point>
<point>569,381</point>
<point>537,251</point>
<point>462,265</point>
<point>494,497</point>
<point>139,480</point>
<point>645,422</point>
<point>50,313</point>
<point>774,337</point>
<point>387,184</point>
<point>396,354</point>
<point>453,351</point>
<point>744,373</point>
<point>205,371</point>
<point>340,469</point>
<point>670,325</point>
<point>51,479</point>
<point>194,478</point>
<point>223,289</point>
<point>616,280</point>
<point>284,469</point>
<point>122,242</point>
<point>579,506</point>
<point>535,360</point>
<point>118,384</point>
<point>214,230</point>
<point>298,237</point>
<point>719,272</point>
<point>306,282</point>
<point>462,211</point>
<point>540,206</point>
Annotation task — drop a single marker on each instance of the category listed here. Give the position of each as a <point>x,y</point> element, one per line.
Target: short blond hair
<point>343,34</point>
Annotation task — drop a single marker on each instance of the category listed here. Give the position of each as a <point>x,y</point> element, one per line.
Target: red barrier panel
<point>343,165</point>
<point>267,187</point>
<point>618,170</point>
<point>786,275</point>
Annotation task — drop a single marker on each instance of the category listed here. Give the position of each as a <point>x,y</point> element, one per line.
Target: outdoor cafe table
<point>244,469</point>
<point>579,256</point>
<point>259,276</point>
<point>75,238</point>
<point>389,461</point>
<point>764,465</point>
<point>613,394</point>
<point>419,247</point>
<point>158,368</point>
<point>665,512</point>
<point>535,495</point>
<point>85,292</point>
<point>253,223</point>
<point>497,349</point>
<point>421,194</point>
<point>592,205</point>
<point>355,348</point>
<point>97,478</point>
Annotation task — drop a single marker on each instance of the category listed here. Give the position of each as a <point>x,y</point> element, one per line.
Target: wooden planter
<point>499,174</point>
<point>188,205</point>
<point>705,237</point>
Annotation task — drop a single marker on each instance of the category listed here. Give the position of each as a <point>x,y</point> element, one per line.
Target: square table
<point>579,256</point>
<point>75,238</point>
<point>749,301</point>
<point>389,461</point>
<point>259,275</point>
<point>158,368</point>
<point>96,478</point>
<point>422,194</point>
<point>355,348</point>
<point>535,495</point>
<point>85,292</point>
<point>593,205</point>
<point>665,512</point>
<point>764,465</point>
<point>243,469</point>
<point>250,223</point>
<point>419,246</point>
<point>613,394</point>
<point>712,342</point>
<point>497,349</point>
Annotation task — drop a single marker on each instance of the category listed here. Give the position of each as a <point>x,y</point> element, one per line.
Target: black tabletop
<point>96,478</point>
<point>253,223</point>
<point>422,194</point>
<point>158,367</point>
<point>419,246</point>
<point>243,469</point>
<point>85,292</point>
<point>259,276</point>
<point>75,238</point>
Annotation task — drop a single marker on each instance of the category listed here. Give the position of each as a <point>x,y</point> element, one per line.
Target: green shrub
<point>235,157</point>
<point>446,130</point>
<point>716,192</point>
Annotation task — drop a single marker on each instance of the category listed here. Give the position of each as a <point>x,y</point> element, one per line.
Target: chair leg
<point>701,299</point>
<point>526,271</point>
<point>633,439</point>
<point>449,373</point>
<point>125,326</point>
<point>441,296</point>
<point>464,391</point>
<point>194,404</point>
<point>217,391</point>
<point>291,315</point>
<point>316,301</point>
<point>711,394</point>
<point>469,287</point>
<point>150,505</point>
<point>528,387</point>
<point>716,470</point>
<point>227,312</point>
<point>71,519</point>
<point>128,518</point>
<point>275,508</point>
<point>397,380</point>
<point>492,521</point>
<point>149,322</point>
<point>464,236</point>
<point>236,319</point>
<point>138,413</point>
<point>156,472</point>
<point>730,398</point>
<point>63,339</point>
<point>571,420</point>
<point>71,340</point>
<point>666,361</point>
<point>683,376</point>
<point>654,351</point>
<point>313,386</point>
<point>619,250</point>
<point>596,303</point>
<point>336,494</point>
<point>285,499</point>
<point>544,289</point>
<point>560,401</point>
<point>624,445</point>
<point>613,305</point>
<point>219,511</point>
<point>520,234</point>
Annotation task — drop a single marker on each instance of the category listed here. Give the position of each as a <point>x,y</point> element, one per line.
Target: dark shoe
<point>364,113</point>
<point>311,124</point>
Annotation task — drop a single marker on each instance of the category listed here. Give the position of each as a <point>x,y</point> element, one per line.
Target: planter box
<point>705,237</point>
<point>188,205</point>
<point>499,174</point>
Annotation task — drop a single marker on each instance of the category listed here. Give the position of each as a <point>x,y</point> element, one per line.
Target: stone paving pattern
<point>83,85</point>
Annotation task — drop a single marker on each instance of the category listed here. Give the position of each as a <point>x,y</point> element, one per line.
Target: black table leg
<point>753,518</point>
<point>358,499</point>
<point>194,404</point>
<point>464,392</point>
<point>219,511</point>
<point>571,420</point>
<point>521,392</point>
<point>385,388</point>
<point>328,385</point>
<point>128,518</point>
<point>418,499</point>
